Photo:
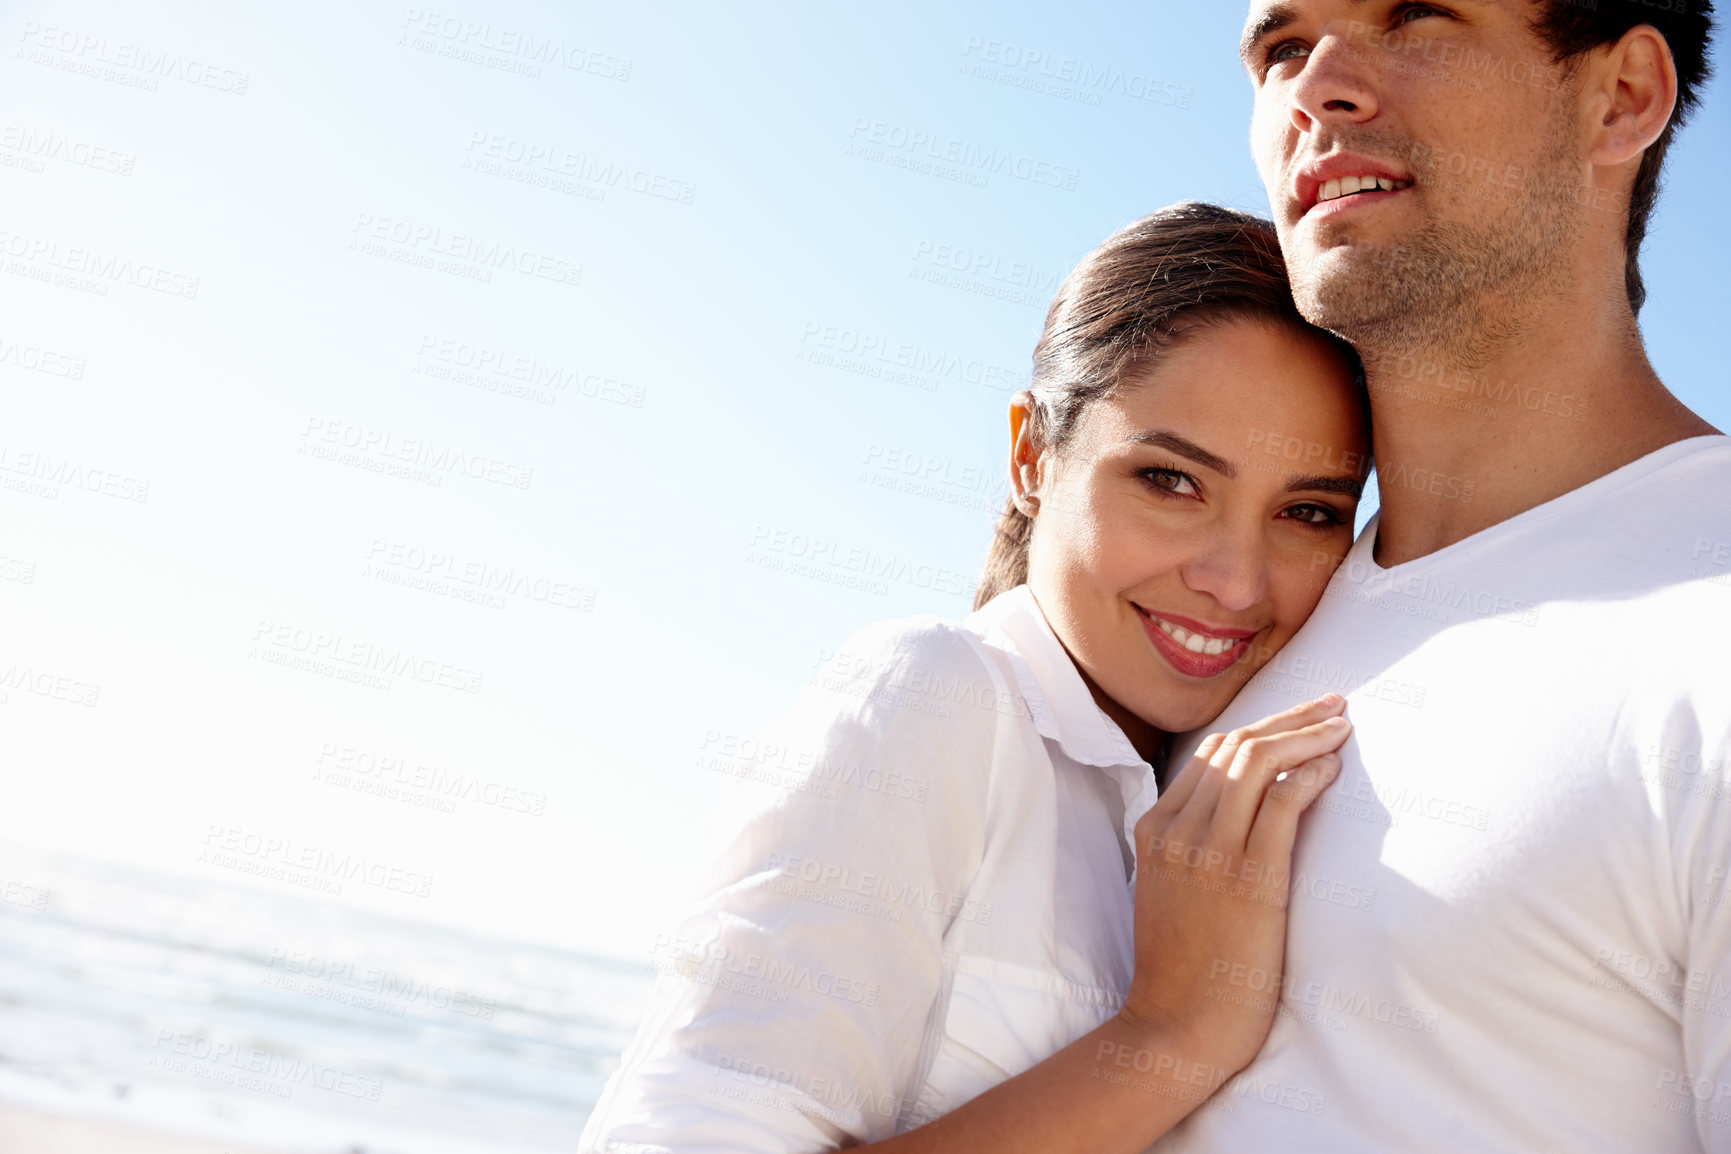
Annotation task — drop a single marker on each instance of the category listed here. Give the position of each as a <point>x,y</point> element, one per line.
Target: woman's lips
<point>1187,661</point>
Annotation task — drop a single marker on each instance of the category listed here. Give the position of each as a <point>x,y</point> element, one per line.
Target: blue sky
<point>750,337</point>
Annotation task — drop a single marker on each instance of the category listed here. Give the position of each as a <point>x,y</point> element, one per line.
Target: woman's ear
<point>1026,460</point>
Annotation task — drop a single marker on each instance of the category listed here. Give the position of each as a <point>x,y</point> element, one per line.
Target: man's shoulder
<point>1649,528</point>
<point>1693,467</point>
<point>1674,519</point>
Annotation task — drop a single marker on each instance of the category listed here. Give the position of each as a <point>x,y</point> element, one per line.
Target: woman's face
<point>1189,525</point>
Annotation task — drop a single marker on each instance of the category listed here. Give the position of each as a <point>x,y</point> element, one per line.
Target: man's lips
<point>1328,209</point>
<point>1346,177</point>
<point>1192,647</point>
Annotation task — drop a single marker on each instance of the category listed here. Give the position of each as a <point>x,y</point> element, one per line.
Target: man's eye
<point>1410,12</point>
<point>1287,50</point>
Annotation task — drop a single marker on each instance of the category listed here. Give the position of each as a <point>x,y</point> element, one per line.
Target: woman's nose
<point>1233,570</point>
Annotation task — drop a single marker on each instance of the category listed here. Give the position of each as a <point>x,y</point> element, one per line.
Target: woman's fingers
<point>1299,716</point>
<point>1256,765</point>
<point>1183,786</point>
<point>1186,810</point>
<point>1276,826</point>
<point>1192,821</point>
<point>1210,784</point>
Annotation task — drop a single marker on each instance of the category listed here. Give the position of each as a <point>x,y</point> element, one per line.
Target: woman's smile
<point>1192,648</point>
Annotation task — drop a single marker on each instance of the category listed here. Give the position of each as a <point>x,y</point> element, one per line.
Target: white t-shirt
<point>1511,925</point>
<point>933,897</point>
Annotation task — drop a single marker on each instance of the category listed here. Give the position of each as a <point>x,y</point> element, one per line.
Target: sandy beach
<point>33,1132</point>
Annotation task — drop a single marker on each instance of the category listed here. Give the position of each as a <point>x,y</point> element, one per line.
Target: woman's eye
<point>1172,481</point>
<point>1314,515</point>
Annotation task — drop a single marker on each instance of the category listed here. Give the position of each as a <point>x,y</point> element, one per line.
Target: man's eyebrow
<point>1160,439</point>
<point>1278,16</point>
<point>1351,486</point>
<point>1271,21</point>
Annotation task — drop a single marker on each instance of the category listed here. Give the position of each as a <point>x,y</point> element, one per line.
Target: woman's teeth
<point>1195,642</point>
<point>1347,185</point>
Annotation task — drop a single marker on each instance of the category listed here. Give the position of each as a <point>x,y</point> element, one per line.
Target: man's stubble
<point>1458,288</point>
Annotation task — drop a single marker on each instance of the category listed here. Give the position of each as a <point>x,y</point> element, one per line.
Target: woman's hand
<point>1213,872</point>
<point>1213,863</point>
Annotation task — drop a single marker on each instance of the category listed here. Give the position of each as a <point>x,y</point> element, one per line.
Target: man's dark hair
<point>1574,27</point>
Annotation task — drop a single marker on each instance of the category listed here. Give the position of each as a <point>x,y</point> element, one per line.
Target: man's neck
<point>1468,436</point>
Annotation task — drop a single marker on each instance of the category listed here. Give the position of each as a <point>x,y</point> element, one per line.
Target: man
<point>1511,925</point>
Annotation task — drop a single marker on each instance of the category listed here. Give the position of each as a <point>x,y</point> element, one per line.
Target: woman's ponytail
<point>1007,560</point>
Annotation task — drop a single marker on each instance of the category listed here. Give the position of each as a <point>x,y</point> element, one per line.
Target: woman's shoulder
<point>916,700</point>
<point>915,687</point>
<point>945,660</point>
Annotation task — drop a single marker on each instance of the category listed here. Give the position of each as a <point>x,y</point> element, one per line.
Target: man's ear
<point>1633,92</point>
<point>1027,461</point>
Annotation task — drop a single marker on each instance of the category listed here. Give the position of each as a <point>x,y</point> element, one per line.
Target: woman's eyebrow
<point>1351,486</point>
<point>1160,439</point>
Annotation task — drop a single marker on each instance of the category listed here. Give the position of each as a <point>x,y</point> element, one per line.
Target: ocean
<point>290,1023</point>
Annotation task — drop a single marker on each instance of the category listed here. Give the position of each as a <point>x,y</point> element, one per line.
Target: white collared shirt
<point>936,897</point>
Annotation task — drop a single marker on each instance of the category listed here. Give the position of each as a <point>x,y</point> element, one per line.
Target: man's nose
<point>1336,85</point>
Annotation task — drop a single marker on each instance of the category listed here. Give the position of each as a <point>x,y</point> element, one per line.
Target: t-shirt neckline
<point>1635,470</point>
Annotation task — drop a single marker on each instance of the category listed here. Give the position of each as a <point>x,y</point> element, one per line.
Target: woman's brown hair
<point>1150,285</point>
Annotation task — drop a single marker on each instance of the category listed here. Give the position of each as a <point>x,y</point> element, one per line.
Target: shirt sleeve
<point>790,1005</point>
<point>1691,758</point>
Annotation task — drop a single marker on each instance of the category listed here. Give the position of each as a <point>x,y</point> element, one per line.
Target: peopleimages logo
<point>34,148</point>
<point>89,269</point>
<point>840,347</point>
<point>250,1068</point>
<point>232,847</point>
<point>921,149</point>
<point>481,577</point>
<point>275,642</point>
<point>414,243</point>
<point>556,161</point>
<point>784,1089</point>
<point>493,369</point>
<point>44,683</point>
<point>499,45</point>
<point>340,980</point>
<point>845,881</point>
<point>989,267</point>
<point>53,472</point>
<point>133,65</point>
<point>37,359</point>
<point>327,439</point>
<point>396,775</point>
<point>770,545</point>
<point>1088,79</point>
<point>710,963</point>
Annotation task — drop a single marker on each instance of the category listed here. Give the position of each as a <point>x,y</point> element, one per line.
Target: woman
<point>966,923</point>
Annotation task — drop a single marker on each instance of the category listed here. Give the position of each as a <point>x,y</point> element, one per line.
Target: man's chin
<point>1346,291</point>
<point>1320,253</point>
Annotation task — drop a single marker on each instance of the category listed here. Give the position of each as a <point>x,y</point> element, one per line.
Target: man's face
<point>1459,133</point>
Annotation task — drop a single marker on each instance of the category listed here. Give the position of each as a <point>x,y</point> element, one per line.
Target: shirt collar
<point>1063,709</point>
